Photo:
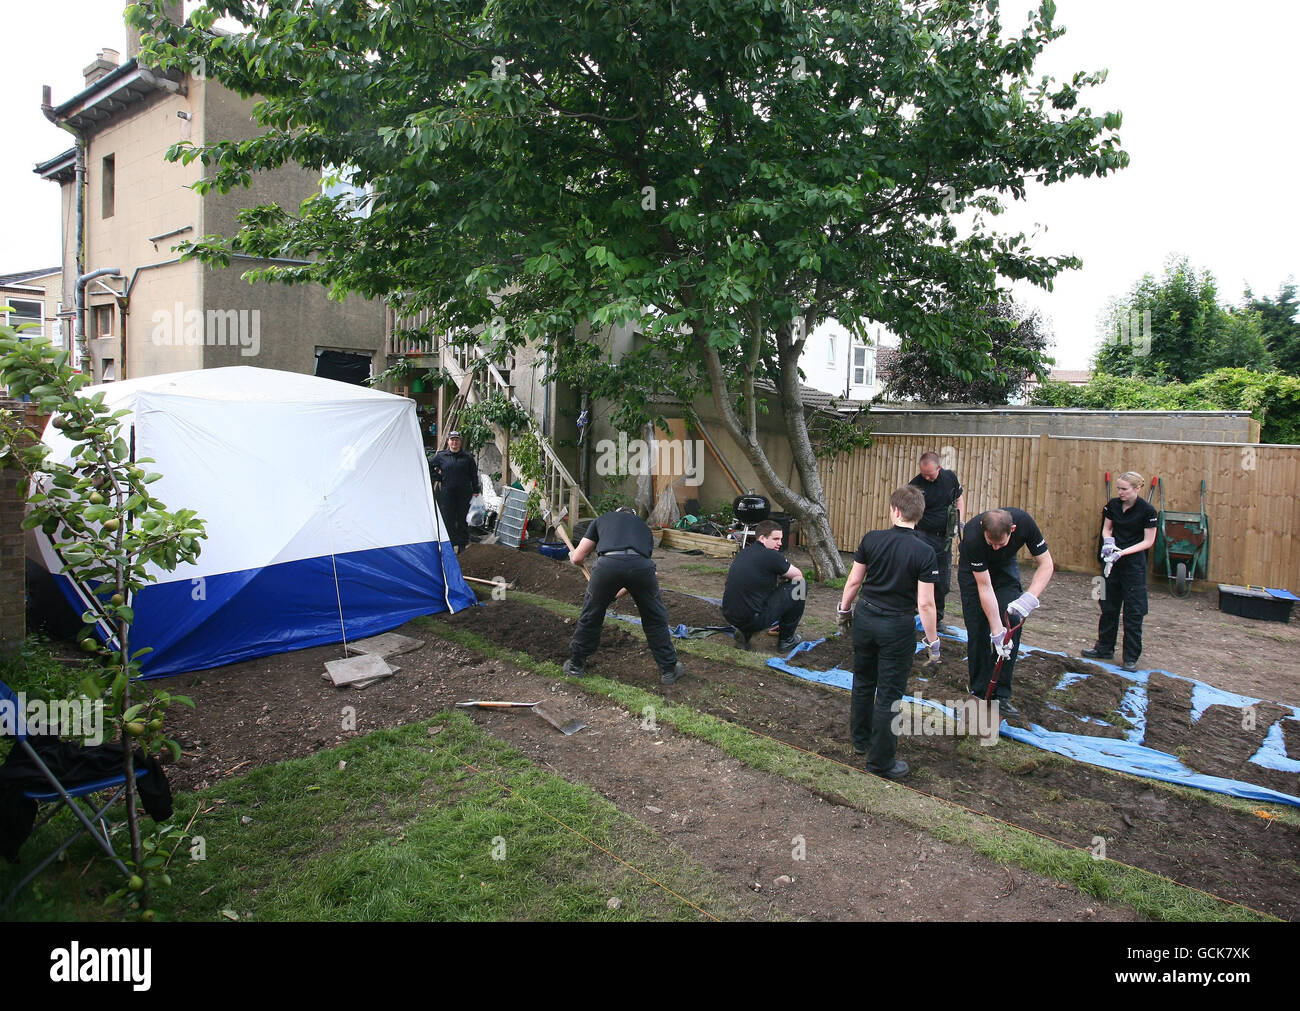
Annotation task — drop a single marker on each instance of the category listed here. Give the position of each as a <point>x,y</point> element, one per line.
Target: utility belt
<point>871,608</point>
<point>620,551</point>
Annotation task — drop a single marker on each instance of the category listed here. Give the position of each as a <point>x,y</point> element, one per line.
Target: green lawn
<point>453,825</point>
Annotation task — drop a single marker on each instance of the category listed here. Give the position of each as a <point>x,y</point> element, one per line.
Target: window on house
<point>344,366</point>
<point>23,312</point>
<point>109,371</point>
<point>830,351</point>
<point>103,321</point>
<point>109,186</point>
<point>864,373</point>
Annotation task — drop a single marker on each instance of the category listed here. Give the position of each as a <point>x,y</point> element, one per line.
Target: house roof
<point>119,89</point>
<point>27,275</point>
<point>61,168</point>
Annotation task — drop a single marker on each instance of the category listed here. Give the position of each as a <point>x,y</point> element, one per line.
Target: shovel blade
<point>550,711</point>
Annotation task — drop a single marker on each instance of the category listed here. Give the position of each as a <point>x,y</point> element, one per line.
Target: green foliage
<point>476,421</point>
<point>112,536</point>
<point>1174,329</point>
<point>404,369</point>
<point>608,501</point>
<point>1017,340</point>
<point>1272,398</point>
<point>721,177</point>
<point>1279,325</point>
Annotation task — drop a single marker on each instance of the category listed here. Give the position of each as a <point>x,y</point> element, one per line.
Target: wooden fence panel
<point>1252,492</point>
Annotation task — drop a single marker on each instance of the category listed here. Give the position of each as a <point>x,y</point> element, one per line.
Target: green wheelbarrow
<point>1182,545</point>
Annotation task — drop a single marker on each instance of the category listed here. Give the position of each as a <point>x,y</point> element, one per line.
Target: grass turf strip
<point>407,829</point>
<point>1149,894</point>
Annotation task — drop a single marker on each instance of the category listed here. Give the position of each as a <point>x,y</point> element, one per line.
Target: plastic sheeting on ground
<point>1122,755</point>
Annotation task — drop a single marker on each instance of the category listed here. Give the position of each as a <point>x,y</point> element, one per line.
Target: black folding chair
<point>92,818</point>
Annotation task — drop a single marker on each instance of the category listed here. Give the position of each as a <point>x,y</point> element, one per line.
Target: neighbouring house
<point>132,306</point>
<point>837,362</point>
<point>34,298</point>
<point>1071,377</point>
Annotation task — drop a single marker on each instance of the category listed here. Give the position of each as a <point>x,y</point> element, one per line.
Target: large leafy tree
<point>1173,328</point>
<point>1279,325</point>
<point>1018,340</point>
<point>725,174</point>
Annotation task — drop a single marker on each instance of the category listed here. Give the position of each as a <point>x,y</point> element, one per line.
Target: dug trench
<point>738,822</point>
<point>1229,852</point>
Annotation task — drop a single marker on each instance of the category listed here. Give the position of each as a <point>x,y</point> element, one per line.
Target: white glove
<point>1109,551</point>
<point>933,648</point>
<point>1002,649</point>
<point>1023,605</point>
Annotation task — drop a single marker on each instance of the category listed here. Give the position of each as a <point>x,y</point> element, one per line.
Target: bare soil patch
<point>1191,839</point>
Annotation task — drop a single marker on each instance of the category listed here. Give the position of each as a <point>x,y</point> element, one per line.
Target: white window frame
<point>864,374</point>
<point>39,317</point>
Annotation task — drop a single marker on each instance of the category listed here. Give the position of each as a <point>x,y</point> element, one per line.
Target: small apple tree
<point>111,536</point>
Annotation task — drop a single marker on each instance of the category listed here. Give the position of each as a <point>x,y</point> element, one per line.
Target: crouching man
<point>896,571</point>
<point>763,589</point>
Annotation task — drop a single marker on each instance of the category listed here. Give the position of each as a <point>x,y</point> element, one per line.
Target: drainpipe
<point>82,281</point>
<point>79,330</point>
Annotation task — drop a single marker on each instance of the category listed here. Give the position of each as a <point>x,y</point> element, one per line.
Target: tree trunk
<point>809,508</point>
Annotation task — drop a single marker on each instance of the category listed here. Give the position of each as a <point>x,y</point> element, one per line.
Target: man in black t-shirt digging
<point>624,545</point>
<point>988,577</point>
<point>764,588</point>
<point>896,571</point>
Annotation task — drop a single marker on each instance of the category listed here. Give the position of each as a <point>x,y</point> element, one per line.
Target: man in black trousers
<point>624,545</point>
<point>458,474</point>
<point>896,571</point>
<point>943,494</point>
<point>763,589</point>
<point>988,577</point>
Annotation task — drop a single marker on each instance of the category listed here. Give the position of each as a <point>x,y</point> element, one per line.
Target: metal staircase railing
<point>477,379</point>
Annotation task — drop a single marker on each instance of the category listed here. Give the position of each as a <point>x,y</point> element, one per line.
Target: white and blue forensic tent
<point>321,520</point>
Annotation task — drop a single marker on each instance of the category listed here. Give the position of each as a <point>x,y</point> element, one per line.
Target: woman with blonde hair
<point>1128,532</point>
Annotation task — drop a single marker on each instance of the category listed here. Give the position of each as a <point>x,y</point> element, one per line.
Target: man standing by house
<point>763,588</point>
<point>988,577</point>
<point>457,473</point>
<point>943,492</point>
<point>896,572</point>
<point>623,544</point>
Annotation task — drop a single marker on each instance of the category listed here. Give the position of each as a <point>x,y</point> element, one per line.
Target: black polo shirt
<point>975,555</point>
<point>619,532</point>
<point>896,560</point>
<point>939,494</point>
<point>1129,528</point>
<point>754,574</point>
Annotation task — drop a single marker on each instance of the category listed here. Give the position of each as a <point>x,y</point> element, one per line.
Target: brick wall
<point>1162,426</point>
<point>13,595</point>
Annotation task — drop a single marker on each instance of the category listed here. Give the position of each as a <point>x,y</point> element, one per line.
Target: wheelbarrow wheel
<point>1181,583</point>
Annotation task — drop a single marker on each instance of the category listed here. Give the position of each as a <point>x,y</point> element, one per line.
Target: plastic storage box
<point>1256,602</point>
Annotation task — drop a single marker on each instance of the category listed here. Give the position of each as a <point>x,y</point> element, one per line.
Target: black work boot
<point>671,677</point>
<point>574,668</point>
<point>1097,654</point>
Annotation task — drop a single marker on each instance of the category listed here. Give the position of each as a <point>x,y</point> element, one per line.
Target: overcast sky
<point>1210,94</point>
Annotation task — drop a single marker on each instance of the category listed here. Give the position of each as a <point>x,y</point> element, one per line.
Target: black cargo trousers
<point>1126,587</point>
<point>883,647</point>
<point>612,573</point>
<point>980,658</point>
